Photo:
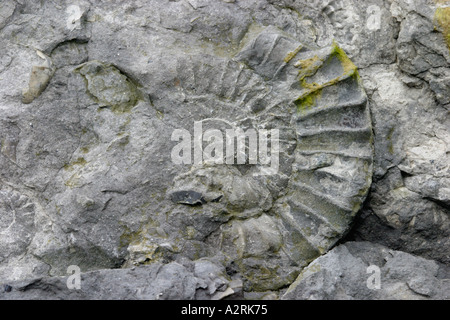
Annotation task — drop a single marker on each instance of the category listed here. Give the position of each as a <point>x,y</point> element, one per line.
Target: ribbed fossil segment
<point>332,173</point>
<point>315,99</point>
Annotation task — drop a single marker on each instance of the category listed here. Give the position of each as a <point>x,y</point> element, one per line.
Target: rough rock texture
<point>198,280</point>
<point>408,207</point>
<point>347,272</point>
<point>91,94</point>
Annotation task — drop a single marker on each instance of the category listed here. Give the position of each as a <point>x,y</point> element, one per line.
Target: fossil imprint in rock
<point>264,228</point>
<point>315,98</point>
<point>40,76</point>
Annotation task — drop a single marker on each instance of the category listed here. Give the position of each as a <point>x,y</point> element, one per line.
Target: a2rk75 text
<point>260,309</point>
<point>246,309</point>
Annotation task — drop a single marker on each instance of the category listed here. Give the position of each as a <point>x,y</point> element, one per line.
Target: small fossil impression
<point>108,86</point>
<point>39,78</point>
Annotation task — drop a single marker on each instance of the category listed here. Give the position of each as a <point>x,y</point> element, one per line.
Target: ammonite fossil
<point>192,131</point>
<point>313,96</point>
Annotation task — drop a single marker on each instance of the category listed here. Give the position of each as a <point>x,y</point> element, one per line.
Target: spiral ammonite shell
<point>314,97</point>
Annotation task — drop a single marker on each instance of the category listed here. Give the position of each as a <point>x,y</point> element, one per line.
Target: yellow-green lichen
<point>347,64</point>
<point>308,101</point>
<point>292,54</point>
<point>308,67</point>
<point>314,268</point>
<point>78,162</point>
<point>348,69</point>
<point>442,18</point>
<point>312,86</point>
<point>389,139</point>
<point>142,235</point>
<point>128,236</point>
<point>190,232</point>
<point>73,181</point>
<point>356,206</point>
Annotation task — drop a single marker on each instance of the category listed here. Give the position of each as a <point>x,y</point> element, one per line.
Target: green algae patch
<point>347,64</point>
<point>309,101</point>
<point>442,18</point>
<point>309,67</point>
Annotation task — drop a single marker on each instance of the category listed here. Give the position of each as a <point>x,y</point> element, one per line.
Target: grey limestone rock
<point>99,162</point>
<point>17,223</point>
<point>200,280</point>
<point>349,272</point>
<point>408,204</point>
<point>93,146</point>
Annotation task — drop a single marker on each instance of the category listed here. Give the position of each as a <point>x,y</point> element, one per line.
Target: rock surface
<point>95,99</point>
<point>364,271</point>
<point>408,204</point>
<point>200,280</point>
